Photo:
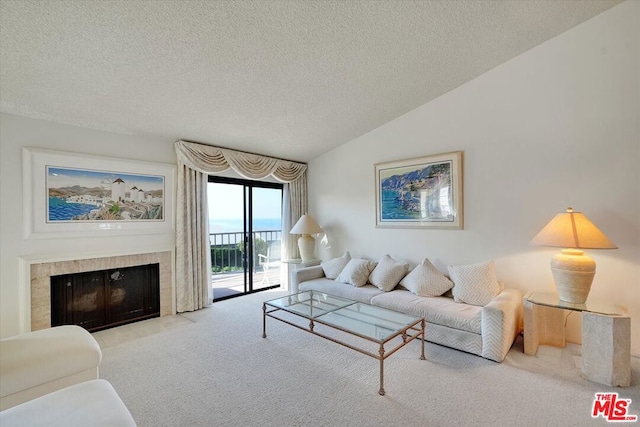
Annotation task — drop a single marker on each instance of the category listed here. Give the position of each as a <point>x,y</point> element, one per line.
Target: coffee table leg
<point>264,320</point>
<point>381,391</point>
<point>422,324</point>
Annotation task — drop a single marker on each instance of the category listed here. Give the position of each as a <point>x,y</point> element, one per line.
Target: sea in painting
<point>421,193</point>
<point>60,210</point>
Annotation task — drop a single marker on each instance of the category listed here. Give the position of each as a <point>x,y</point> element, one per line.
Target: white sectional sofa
<point>486,328</point>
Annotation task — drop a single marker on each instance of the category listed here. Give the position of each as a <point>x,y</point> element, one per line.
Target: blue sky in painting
<point>68,177</point>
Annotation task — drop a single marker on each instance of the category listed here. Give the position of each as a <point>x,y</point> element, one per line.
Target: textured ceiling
<point>290,79</point>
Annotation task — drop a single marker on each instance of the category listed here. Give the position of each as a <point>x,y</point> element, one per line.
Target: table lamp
<point>306,226</point>
<point>573,271</point>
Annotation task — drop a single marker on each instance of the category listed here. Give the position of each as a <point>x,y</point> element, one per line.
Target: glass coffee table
<point>375,324</point>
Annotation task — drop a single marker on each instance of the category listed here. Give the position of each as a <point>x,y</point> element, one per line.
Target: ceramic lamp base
<point>307,246</point>
<point>573,274</point>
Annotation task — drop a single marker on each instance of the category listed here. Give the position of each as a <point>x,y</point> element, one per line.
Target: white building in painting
<point>118,190</point>
<point>85,200</point>
<point>133,194</point>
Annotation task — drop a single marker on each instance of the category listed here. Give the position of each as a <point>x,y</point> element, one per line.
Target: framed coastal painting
<point>74,195</point>
<point>423,192</point>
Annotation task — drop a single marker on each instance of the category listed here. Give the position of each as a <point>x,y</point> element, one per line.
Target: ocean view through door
<point>245,231</point>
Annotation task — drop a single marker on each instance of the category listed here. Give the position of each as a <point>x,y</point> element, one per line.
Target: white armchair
<point>50,378</point>
<point>40,362</point>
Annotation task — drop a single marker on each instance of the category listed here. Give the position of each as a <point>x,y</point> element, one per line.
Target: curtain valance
<point>209,159</point>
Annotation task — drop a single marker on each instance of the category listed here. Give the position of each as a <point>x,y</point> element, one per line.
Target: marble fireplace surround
<point>39,278</point>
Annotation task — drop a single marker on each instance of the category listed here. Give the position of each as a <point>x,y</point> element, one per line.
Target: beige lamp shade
<point>573,271</point>
<point>572,230</point>
<point>306,226</point>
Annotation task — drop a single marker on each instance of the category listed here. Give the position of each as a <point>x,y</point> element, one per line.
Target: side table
<point>296,263</point>
<point>606,335</point>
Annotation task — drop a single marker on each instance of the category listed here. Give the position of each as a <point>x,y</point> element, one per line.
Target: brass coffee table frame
<point>408,332</point>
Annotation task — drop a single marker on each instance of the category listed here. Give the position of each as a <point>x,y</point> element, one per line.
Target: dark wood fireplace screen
<point>103,299</point>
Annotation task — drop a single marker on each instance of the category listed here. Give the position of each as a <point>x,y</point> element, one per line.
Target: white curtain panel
<point>195,162</point>
<point>297,207</point>
<point>193,256</point>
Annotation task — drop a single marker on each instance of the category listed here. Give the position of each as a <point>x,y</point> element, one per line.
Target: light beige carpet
<point>216,370</point>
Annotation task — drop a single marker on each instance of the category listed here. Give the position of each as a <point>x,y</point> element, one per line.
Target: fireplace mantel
<point>36,283</point>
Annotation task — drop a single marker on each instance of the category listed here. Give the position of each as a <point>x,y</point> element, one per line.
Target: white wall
<point>17,132</point>
<point>555,127</point>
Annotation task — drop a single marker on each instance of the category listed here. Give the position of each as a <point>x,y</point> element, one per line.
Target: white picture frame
<point>422,192</point>
<point>40,168</point>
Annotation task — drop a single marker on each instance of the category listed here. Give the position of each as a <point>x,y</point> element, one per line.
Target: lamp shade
<point>572,230</point>
<point>306,225</point>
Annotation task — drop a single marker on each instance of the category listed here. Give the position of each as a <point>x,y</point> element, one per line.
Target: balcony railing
<point>227,249</point>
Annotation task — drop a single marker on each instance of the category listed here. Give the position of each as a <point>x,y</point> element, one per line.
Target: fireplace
<point>98,300</point>
<point>38,273</point>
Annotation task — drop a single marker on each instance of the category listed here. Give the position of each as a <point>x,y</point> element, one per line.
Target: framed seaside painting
<point>77,195</point>
<point>423,192</point>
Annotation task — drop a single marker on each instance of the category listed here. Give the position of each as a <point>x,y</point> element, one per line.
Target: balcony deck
<point>226,255</point>
<point>225,284</point>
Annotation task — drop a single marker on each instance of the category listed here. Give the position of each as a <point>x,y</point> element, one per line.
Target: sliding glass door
<point>245,231</point>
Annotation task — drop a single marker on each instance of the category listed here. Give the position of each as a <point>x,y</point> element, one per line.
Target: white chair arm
<point>36,363</point>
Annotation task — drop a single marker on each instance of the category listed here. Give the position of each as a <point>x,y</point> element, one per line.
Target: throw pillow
<point>356,272</point>
<point>474,284</point>
<point>333,267</point>
<point>388,273</point>
<point>426,280</point>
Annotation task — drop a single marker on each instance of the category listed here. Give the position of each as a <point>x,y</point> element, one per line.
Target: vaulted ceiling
<point>291,79</point>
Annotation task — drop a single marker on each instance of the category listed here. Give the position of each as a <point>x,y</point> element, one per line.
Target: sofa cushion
<point>333,267</point>
<point>331,287</point>
<point>437,310</point>
<point>426,280</point>
<point>475,284</point>
<point>388,273</point>
<point>356,272</point>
